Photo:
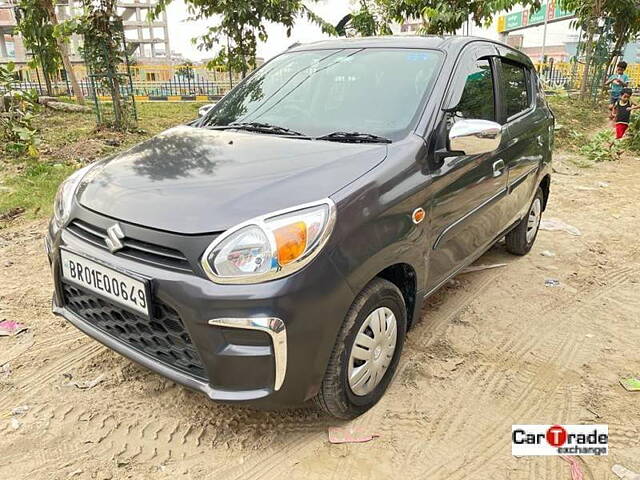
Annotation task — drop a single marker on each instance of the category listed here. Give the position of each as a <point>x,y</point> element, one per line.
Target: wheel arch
<point>545,185</point>
<point>403,276</point>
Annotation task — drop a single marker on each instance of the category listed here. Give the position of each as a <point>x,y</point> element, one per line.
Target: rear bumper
<point>267,345</point>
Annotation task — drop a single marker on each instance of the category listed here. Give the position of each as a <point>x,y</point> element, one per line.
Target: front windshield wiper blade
<point>354,137</point>
<point>258,127</point>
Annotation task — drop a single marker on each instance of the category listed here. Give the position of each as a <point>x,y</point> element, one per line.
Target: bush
<point>575,121</point>
<point>602,147</point>
<point>17,110</point>
<point>632,138</point>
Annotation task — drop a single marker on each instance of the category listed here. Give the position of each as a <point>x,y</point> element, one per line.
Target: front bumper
<point>265,344</point>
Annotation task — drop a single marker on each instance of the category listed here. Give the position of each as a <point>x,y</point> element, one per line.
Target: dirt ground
<point>494,348</point>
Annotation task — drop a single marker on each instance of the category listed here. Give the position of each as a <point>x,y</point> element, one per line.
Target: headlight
<point>66,191</point>
<point>271,246</point>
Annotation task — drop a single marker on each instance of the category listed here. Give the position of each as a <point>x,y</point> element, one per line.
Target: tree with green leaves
<point>588,13</point>
<point>606,25</point>
<point>437,16</point>
<point>612,23</point>
<point>625,17</point>
<point>36,29</point>
<point>104,52</point>
<point>369,20</point>
<point>185,70</point>
<point>17,108</point>
<point>61,39</point>
<point>243,23</point>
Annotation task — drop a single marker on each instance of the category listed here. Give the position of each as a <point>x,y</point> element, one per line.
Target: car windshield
<point>319,92</point>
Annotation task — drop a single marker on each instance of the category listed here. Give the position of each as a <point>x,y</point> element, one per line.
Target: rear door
<point>466,210</point>
<point>526,124</point>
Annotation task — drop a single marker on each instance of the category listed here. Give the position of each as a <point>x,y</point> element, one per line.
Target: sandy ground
<point>494,348</point>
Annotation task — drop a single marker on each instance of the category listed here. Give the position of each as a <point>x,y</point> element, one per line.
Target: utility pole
<point>229,64</point>
<point>544,32</point>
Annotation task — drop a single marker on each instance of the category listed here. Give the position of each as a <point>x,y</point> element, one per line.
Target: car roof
<point>403,41</point>
<point>450,43</point>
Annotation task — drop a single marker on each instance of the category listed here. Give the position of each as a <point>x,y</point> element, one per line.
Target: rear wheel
<point>366,352</point>
<point>520,239</point>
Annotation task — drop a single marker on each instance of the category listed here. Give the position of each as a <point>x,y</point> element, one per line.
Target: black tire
<point>516,239</point>
<point>336,397</point>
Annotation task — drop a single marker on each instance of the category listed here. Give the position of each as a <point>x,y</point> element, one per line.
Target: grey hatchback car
<point>277,249</point>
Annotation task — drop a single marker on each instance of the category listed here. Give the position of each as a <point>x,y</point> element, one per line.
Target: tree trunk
<point>64,53</point>
<point>588,53</point>
<point>47,80</point>
<point>119,121</point>
<point>45,73</point>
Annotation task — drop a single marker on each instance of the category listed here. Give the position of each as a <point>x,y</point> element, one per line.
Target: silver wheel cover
<point>533,221</point>
<point>372,351</point>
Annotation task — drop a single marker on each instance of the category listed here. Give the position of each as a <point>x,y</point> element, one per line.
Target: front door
<point>467,207</point>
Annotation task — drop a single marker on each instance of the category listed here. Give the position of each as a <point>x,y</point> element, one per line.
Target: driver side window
<point>477,101</point>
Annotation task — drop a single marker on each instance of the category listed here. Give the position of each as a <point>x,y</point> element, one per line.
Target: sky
<point>181,30</point>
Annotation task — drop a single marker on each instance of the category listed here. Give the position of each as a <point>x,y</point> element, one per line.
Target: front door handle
<point>498,168</point>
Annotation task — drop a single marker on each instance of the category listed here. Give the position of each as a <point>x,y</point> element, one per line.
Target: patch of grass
<point>576,120</point>
<point>156,117</point>
<point>69,141</point>
<point>33,189</point>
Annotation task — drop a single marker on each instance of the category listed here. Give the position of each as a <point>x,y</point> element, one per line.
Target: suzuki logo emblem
<point>114,234</point>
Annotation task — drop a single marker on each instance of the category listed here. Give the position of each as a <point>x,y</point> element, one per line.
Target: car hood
<point>193,180</point>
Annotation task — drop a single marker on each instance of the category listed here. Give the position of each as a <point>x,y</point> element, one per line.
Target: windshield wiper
<point>354,137</point>
<point>258,127</point>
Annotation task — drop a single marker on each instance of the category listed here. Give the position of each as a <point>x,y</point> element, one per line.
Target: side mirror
<point>473,137</point>
<point>203,110</point>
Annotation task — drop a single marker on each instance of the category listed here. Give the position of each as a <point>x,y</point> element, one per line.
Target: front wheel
<point>366,352</point>
<point>520,239</point>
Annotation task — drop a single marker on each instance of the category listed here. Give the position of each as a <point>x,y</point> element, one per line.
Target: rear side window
<point>517,97</point>
<point>477,97</point>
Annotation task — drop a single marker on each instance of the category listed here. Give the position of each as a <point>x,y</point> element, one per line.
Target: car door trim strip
<point>521,178</point>
<point>469,214</point>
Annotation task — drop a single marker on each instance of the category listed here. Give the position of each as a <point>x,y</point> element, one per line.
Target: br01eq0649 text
<point>105,281</point>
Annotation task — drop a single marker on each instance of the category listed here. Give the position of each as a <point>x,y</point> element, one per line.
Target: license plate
<point>106,282</point>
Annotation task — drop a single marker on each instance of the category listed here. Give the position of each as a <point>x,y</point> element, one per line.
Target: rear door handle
<point>540,141</point>
<point>498,168</point>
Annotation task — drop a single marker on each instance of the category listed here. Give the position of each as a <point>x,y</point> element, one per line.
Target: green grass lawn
<point>70,141</point>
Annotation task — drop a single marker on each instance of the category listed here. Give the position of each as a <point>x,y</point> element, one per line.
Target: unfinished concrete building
<point>151,38</point>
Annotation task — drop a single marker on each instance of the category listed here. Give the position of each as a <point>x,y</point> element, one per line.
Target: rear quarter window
<point>517,94</point>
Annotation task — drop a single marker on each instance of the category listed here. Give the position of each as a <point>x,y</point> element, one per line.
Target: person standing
<point>618,81</point>
<point>622,110</point>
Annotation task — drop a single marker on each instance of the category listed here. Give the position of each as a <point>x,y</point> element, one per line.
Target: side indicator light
<point>418,215</point>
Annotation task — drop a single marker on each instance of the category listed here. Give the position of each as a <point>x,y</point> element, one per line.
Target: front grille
<point>136,249</point>
<point>162,336</point>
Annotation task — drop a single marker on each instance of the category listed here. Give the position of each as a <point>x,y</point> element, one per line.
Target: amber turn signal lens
<point>418,215</point>
<point>291,241</point>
